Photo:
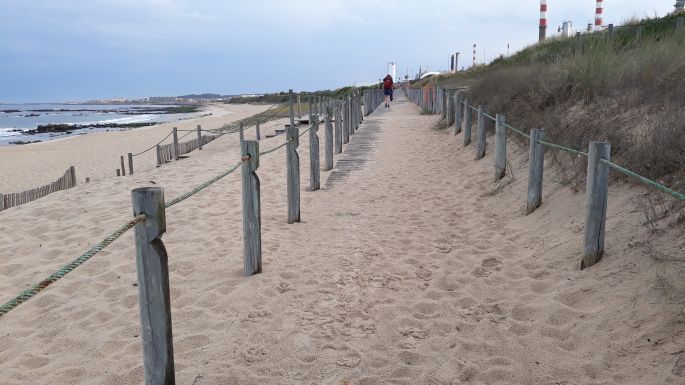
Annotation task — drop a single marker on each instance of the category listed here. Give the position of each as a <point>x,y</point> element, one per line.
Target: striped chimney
<point>543,20</point>
<point>599,14</point>
<point>474,54</point>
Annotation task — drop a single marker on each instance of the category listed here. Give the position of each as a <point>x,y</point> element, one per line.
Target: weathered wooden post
<point>500,147</point>
<point>328,140</point>
<point>481,138</point>
<point>536,159</point>
<point>610,31</point>
<point>130,163</point>
<point>293,179</point>
<point>123,168</point>
<point>299,107</point>
<point>159,156</point>
<point>450,108</point>
<point>257,134</point>
<point>153,287</point>
<point>291,111</point>
<point>443,110</point>
<point>199,137</point>
<point>2,202</point>
<point>597,191</point>
<point>457,114</point>
<point>346,122</point>
<point>468,122</point>
<point>118,173</point>
<point>176,150</point>
<point>252,213</point>
<point>578,43</point>
<point>314,162</point>
<point>350,114</point>
<point>338,128</point>
<point>72,176</point>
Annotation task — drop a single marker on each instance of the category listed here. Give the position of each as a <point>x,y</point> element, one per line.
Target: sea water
<point>15,119</point>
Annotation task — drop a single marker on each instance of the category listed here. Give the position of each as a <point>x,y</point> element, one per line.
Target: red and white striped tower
<point>599,15</point>
<point>543,20</point>
<point>474,54</point>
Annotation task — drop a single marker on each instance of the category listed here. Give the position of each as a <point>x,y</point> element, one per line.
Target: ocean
<point>16,119</point>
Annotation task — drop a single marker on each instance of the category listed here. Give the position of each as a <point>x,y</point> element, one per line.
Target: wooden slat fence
<point>66,181</point>
<point>165,152</point>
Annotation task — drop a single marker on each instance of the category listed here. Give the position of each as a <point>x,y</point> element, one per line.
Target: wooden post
<point>536,159</point>
<point>153,286</point>
<point>199,137</point>
<point>500,147</point>
<point>299,107</point>
<point>293,179</point>
<point>328,140</point>
<point>481,138</point>
<point>597,191</point>
<point>130,163</point>
<point>87,179</point>
<point>348,116</point>
<point>443,102</point>
<point>467,123</point>
<point>458,114</point>
<point>610,31</point>
<point>72,174</point>
<point>338,128</point>
<point>257,134</point>
<point>176,152</point>
<point>118,174</point>
<point>291,110</point>
<point>2,202</point>
<point>314,162</point>
<point>159,156</point>
<point>252,214</point>
<point>242,132</point>
<point>449,110</point>
<point>578,43</point>
<point>123,167</point>
<point>346,123</point>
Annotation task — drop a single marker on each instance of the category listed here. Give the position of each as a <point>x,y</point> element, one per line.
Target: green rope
<point>644,180</point>
<point>489,117</point>
<point>517,131</point>
<point>558,147</point>
<point>37,288</point>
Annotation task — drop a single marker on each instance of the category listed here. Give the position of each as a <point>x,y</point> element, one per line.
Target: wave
<point>8,132</point>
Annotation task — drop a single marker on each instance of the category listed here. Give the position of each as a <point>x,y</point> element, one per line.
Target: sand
<point>97,155</point>
<point>409,267</point>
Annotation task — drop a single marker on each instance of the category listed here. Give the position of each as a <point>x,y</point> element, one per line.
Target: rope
<point>517,131</point>
<point>157,144</point>
<point>489,117</point>
<point>558,147</point>
<point>66,269</point>
<point>37,288</point>
<point>644,180</point>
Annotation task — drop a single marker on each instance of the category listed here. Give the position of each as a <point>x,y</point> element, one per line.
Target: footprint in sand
<point>487,267</point>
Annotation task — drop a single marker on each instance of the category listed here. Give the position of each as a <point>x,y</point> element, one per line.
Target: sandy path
<point>406,269</point>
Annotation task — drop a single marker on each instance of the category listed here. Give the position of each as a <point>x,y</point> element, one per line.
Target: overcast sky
<point>89,49</point>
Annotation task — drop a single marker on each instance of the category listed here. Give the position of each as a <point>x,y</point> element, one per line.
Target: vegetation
<point>627,88</point>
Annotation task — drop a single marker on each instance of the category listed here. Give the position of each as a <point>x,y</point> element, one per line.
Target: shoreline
<point>97,154</point>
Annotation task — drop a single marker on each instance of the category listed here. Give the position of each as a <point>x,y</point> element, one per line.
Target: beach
<point>410,266</point>
<point>97,155</point>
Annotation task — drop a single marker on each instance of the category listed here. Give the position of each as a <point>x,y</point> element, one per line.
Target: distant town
<point>176,100</point>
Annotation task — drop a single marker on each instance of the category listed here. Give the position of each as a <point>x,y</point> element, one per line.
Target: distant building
<point>163,99</point>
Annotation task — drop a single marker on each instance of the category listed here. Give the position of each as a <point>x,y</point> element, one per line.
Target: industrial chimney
<point>679,5</point>
<point>543,20</point>
<point>474,55</point>
<point>456,62</point>
<point>452,63</point>
<point>599,15</point>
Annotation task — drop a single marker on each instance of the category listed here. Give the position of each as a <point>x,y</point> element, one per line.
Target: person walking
<point>387,89</point>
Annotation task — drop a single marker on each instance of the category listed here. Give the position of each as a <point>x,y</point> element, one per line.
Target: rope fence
<point>456,109</point>
<point>149,224</point>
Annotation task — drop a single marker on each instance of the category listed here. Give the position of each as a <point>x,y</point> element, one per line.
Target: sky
<point>76,50</point>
